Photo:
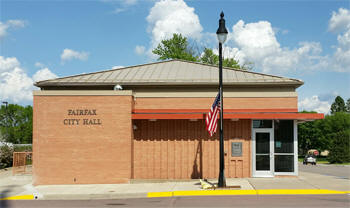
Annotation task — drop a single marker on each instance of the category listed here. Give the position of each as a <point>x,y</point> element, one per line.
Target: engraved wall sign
<point>73,121</point>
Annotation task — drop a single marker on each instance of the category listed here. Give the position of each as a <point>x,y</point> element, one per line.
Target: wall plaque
<point>236,149</point>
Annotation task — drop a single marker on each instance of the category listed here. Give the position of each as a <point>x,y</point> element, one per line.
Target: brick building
<point>148,122</point>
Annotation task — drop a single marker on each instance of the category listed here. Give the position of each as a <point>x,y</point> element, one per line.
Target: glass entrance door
<point>263,160</point>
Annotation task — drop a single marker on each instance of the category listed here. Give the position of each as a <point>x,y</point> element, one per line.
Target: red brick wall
<point>82,154</point>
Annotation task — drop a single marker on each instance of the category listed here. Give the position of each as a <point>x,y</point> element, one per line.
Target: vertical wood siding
<point>182,149</point>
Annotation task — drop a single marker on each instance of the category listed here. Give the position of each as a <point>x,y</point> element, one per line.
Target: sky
<point>306,40</point>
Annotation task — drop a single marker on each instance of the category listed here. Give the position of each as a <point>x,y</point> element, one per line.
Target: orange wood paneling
<point>182,149</point>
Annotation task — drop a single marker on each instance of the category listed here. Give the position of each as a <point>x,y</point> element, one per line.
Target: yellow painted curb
<point>23,197</point>
<point>201,193</point>
<point>297,191</point>
<point>245,192</point>
<point>214,192</point>
<point>160,194</point>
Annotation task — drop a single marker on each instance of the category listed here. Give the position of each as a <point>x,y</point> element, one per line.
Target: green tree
<point>338,105</point>
<point>339,151</point>
<point>335,129</point>
<point>16,123</point>
<point>309,136</point>
<point>232,63</point>
<point>176,47</point>
<point>209,57</point>
<point>332,133</point>
<point>348,105</point>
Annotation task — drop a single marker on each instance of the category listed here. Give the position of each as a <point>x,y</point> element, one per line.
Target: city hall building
<point>148,122</point>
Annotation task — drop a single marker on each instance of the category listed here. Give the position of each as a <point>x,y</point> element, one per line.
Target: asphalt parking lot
<point>340,171</point>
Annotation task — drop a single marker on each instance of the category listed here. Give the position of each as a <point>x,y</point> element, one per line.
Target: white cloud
<point>121,5</point>
<point>285,32</point>
<point>306,57</point>
<point>40,65</point>
<point>344,39</point>
<point>340,20</point>
<point>228,52</point>
<point>249,42</point>
<point>139,50</point>
<point>257,43</point>
<point>7,64</point>
<point>312,48</point>
<point>255,39</point>
<point>69,54</point>
<point>130,2</point>
<point>117,67</point>
<point>314,104</point>
<point>43,74</point>
<point>10,24</point>
<point>118,10</point>
<point>15,85</point>
<point>16,23</point>
<point>341,60</point>
<point>167,17</point>
<point>254,42</point>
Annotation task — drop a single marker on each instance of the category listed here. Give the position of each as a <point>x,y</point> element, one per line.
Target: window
<point>284,145</point>
<point>262,123</point>
<point>284,163</point>
<point>284,136</point>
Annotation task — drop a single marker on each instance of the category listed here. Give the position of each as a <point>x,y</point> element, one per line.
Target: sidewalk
<point>305,183</point>
<point>13,185</point>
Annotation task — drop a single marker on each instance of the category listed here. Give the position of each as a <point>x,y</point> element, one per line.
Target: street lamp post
<point>222,35</point>
<point>6,103</point>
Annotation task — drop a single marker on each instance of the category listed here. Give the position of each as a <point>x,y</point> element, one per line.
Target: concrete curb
<point>77,196</point>
<point>178,193</point>
<point>92,196</point>
<point>246,192</point>
<point>21,197</point>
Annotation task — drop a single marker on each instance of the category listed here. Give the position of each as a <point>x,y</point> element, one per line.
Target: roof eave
<point>65,84</point>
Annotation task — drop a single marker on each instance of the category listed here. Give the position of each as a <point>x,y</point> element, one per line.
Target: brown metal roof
<point>172,72</point>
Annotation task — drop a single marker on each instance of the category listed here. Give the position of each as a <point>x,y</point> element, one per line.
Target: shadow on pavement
<point>4,194</point>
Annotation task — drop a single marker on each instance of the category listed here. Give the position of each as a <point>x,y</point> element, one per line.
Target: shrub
<point>340,147</point>
<point>6,156</point>
<point>22,147</point>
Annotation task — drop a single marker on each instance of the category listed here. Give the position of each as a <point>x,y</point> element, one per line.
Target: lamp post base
<point>222,180</point>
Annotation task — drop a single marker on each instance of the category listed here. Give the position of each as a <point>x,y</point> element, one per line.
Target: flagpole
<point>222,35</point>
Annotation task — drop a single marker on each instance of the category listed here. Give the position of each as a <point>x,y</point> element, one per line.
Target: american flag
<point>212,117</point>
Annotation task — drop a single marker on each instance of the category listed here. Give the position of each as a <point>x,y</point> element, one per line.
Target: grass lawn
<point>323,160</point>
